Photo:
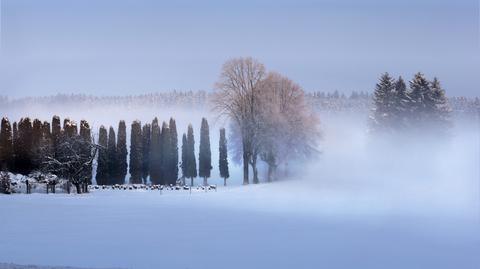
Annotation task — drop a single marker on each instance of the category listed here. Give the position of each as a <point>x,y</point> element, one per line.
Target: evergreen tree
<point>122,152</point>
<point>136,153</point>
<point>205,154</point>
<point>86,135</point>
<point>56,133</point>
<point>146,136</point>
<point>165,171</point>
<point>223,157</point>
<point>112,157</point>
<point>191,162</point>
<point>401,104</point>
<point>24,160</point>
<point>102,175</point>
<point>184,164</point>
<point>383,104</point>
<point>70,128</point>
<point>155,154</point>
<point>173,163</point>
<point>441,116</point>
<point>420,94</point>
<point>37,137</point>
<point>6,146</point>
<point>15,147</point>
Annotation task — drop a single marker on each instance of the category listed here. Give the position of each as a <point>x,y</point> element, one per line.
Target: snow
<point>280,225</point>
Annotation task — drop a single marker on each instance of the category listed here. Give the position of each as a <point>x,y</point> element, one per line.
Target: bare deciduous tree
<point>288,129</point>
<point>237,93</point>
<point>270,118</point>
<point>73,160</point>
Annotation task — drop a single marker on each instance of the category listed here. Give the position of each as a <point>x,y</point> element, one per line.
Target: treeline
<point>38,148</point>
<point>325,101</point>
<point>421,106</point>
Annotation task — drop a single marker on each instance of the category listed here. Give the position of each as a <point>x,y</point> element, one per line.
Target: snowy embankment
<point>280,225</point>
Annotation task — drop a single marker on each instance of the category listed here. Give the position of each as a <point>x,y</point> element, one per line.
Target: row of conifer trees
<point>422,106</point>
<point>154,152</point>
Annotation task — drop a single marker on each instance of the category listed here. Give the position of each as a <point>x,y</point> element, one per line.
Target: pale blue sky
<point>128,47</point>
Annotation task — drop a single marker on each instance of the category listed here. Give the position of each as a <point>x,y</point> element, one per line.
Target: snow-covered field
<point>280,225</point>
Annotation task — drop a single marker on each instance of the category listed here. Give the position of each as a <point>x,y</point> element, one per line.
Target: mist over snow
<point>363,203</point>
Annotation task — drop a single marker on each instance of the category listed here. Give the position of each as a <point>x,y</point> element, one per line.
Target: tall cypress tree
<point>15,147</point>
<point>205,154</point>
<point>184,164</point>
<point>173,151</point>
<point>136,153</point>
<point>155,151</point>
<point>6,146</point>
<point>37,137</point>
<point>112,157</point>
<point>102,161</point>
<point>223,157</point>
<point>24,160</point>
<point>86,135</point>
<point>70,128</point>
<point>165,171</point>
<point>146,136</point>
<point>122,152</point>
<point>56,133</point>
<point>191,162</point>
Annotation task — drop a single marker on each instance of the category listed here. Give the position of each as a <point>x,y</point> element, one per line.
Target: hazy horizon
<point>135,47</point>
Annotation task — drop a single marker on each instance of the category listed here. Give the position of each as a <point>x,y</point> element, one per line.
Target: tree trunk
<point>48,186</point>
<point>79,188</point>
<point>255,170</point>
<point>205,181</point>
<point>270,172</point>
<point>68,187</point>
<point>245,168</point>
<point>191,181</point>
<point>224,181</point>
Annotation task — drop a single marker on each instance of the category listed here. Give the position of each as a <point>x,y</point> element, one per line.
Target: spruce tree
<point>383,104</point>
<point>112,157</point>
<point>173,151</point>
<point>401,104</point>
<point>102,175</point>
<point>122,152</point>
<point>136,153</point>
<point>191,162</point>
<point>184,164</point>
<point>6,146</point>
<point>421,101</point>
<point>223,157</point>
<point>441,117</point>
<point>155,154</point>
<point>146,136</point>
<point>205,154</point>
